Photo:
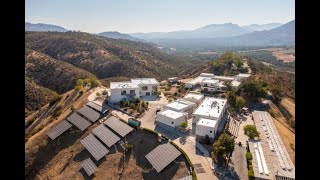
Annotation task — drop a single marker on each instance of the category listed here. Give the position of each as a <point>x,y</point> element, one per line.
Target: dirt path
<point>287,137</point>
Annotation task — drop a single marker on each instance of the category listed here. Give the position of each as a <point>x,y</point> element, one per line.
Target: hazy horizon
<point>155,16</point>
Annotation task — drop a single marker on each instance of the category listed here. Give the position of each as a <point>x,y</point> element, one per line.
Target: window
<point>144,88</point>
<point>210,131</point>
<point>132,91</point>
<point>123,92</point>
<point>148,93</point>
<point>172,122</point>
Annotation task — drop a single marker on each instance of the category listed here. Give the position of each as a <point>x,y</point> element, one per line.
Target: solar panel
<point>101,109</point>
<point>94,146</point>
<point>162,156</point>
<point>105,135</point>
<point>58,129</point>
<point>88,166</point>
<point>78,121</point>
<point>91,114</point>
<point>118,126</point>
<point>186,178</point>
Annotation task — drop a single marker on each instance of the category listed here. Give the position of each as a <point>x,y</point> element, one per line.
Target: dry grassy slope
<point>39,148</point>
<point>36,96</point>
<point>105,57</point>
<point>51,73</point>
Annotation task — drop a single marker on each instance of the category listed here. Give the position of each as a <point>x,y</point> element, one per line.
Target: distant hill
<point>117,35</point>
<point>261,27</point>
<point>209,31</point>
<point>40,27</point>
<point>283,35</point>
<point>51,73</point>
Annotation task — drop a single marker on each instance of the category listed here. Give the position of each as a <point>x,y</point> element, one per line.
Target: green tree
<point>254,88</point>
<point>240,102</point>
<point>224,146</point>
<point>79,82</point>
<point>251,131</point>
<point>94,82</point>
<point>184,124</point>
<point>248,156</point>
<point>277,93</point>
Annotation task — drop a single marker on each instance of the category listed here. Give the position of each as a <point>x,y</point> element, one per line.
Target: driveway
<point>239,162</point>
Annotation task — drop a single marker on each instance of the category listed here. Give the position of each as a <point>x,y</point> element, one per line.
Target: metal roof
<point>161,156</point>
<point>94,146</point>
<point>105,135</point>
<point>78,121</point>
<point>118,126</point>
<point>91,114</point>
<point>58,129</point>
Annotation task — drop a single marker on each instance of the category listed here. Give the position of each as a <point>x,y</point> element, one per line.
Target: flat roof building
<point>206,127</point>
<point>170,118</point>
<point>210,108</point>
<point>271,159</point>
<point>193,97</point>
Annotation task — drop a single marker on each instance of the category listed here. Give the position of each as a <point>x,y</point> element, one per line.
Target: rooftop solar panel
<point>91,114</point>
<point>88,166</point>
<point>118,126</point>
<point>162,156</point>
<point>78,121</point>
<point>101,109</point>
<point>58,129</point>
<point>94,146</point>
<point>105,135</point>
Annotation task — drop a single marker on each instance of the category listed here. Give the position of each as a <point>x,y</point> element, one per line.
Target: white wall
<point>204,130</point>
<point>168,121</point>
<point>144,92</point>
<point>116,94</point>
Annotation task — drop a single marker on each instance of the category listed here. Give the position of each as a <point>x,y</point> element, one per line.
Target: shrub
<point>170,100</point>
<point>55,99</point>
<point>251,173</point>
<point>132,106</point>
<point>121,103</point>
<point>127,104</point>
<point>175,93</point>
<point>251,131</point>
<point>184,124</point>
<point>249,156</point>
<point>167,88</point>
<point>98,94</point>
<point>57,112</point>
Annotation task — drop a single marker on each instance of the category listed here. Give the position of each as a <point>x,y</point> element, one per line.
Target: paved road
<point>238,160</point>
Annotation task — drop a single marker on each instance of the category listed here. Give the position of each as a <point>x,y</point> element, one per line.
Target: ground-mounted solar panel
<point>91,114</point>
<point>94,146</point>
<point>101,109</point>
<point>78,121</point>
<point>88,166</point>
<point>161,156</point>
<point>105,135</point>
<point>118,126</point>
<point>186,178</point>
<point>58,129</point>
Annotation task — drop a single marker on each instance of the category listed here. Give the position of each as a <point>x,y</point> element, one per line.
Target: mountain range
<point>40,27</point>
<point>117,35</point>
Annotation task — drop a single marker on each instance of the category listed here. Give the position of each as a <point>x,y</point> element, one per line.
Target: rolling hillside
<point>106,57</point>
<point>52,73</point>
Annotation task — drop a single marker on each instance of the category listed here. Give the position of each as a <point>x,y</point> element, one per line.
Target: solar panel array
<point>58,129</point>
<point>78,121</point>
<point>91,114</point>
<point>105,135</point>
<point>88,166</point>
<point>94,146</point>
<point>161,156</point>
<point>186,178</point>
<point>101,109</point>
<point>118,126</point>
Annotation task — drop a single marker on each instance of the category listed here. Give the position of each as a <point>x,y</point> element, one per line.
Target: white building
<point>181,105</point>
<point>209,85</point>
<point>135,88</point>
<point>210,108</point>
<point>173,79</point>
<point>209,82</point>
<point>237,81</point>
<point>206,127</point>
<point>193,97</point>
<point>171,118</point>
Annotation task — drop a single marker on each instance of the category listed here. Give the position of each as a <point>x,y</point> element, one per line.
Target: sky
<point>130,16</point>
